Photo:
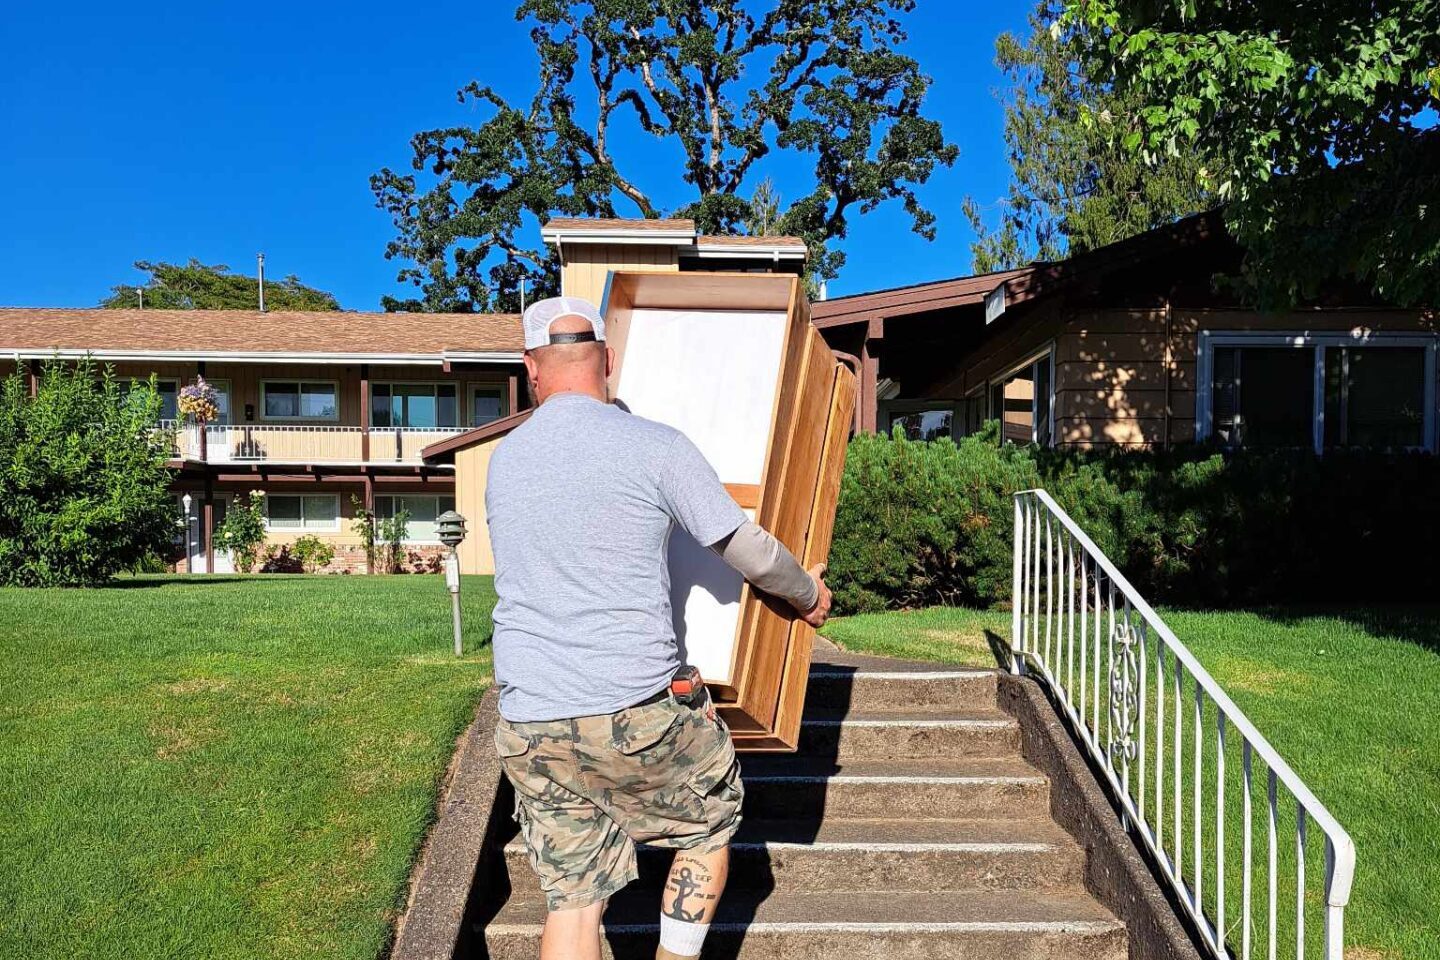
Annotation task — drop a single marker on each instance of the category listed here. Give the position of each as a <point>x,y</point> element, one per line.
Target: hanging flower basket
<point>199,402</point>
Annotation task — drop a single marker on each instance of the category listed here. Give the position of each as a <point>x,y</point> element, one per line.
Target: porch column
<point>870,375</point>
<point>207,523</point>
<point>369,495</point>
<point>365,415</point>
<point>32,379</point>
<point>514,406</point>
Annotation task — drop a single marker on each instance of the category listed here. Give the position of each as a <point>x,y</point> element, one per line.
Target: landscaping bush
<point>312,553</point>
<point>930,522</point>
<point>242,532</point>
<point>82,478</point>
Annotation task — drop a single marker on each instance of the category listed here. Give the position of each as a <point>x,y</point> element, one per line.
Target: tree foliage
<point>198,286</point>
<point>82,478</point>
<point>1319,120</point>
<point>727,86</point>
<point>1073,186</point>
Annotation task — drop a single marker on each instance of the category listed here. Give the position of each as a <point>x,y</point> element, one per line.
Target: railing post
<point>1017,641</point>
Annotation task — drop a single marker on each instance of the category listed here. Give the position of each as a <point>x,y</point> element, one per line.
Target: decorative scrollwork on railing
<point>1124,693</point>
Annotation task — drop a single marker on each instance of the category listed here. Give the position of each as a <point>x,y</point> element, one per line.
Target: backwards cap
<point>541,314</point>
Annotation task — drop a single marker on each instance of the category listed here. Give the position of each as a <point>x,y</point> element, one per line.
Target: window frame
<point>1316,342</point>
<point>130,385</point>
<point>890,409</point>
<point>1046,353</point>
<point>405,496</point>
<point>299,383</point>
<point>435,386</point>
<point>502,388</point>
<point>334,526</point>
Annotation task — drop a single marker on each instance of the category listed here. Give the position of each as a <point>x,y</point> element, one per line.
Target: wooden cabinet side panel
<point>792,498</point>
<point>817,549</point>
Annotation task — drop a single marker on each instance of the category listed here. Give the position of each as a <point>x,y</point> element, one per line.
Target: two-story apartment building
<point>326,412</point>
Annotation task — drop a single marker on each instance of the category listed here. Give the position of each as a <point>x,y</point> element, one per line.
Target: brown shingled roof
<point>737,240</point>
<point>610,223</point>
<point>249,331</point>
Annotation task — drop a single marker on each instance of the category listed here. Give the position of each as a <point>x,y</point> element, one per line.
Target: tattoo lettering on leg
<point>688,880</point>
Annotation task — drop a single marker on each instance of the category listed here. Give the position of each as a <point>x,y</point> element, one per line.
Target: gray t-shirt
<point>581,499</point>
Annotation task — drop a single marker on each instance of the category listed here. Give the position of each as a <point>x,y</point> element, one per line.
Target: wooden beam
<point>747,495</point>
<point>869,386</point>
<point>513,406</point>
<point>32,379</point>
<point>370,509</point>
<point>365,412</point>
<point>207,524</point>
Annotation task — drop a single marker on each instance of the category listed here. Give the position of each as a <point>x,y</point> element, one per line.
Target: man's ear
<point>531,367</point>
<point>609,363</point>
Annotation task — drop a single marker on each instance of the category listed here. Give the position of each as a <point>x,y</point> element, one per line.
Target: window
<point>285,511</point>
<point>488,403</point>
<point>1021,402</point>
<point>1374,397</point>
<point>299,400</point>
<point>1317,391</point>
<point>922,421</point>
<point>1264,396</point>
<point>167,389</point>
<point>413,405</point>
<point>423,511</point>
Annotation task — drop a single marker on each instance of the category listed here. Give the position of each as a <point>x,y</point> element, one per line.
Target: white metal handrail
<point>1070,599</point>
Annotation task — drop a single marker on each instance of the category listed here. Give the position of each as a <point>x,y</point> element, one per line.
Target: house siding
<point>587,266</point>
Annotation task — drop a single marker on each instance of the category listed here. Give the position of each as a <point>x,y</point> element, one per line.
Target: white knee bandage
<point>681,938</point>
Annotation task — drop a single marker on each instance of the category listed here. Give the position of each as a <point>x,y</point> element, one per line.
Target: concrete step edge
<point>930,676</point>
<point>855,927</point>
<point>832,846</point>
<point>913,724</point>
<point>857,778</point>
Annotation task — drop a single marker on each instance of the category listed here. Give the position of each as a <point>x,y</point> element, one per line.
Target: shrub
<point>83,482</point>
<point>923,523</point>
<point>392,532</point>
<point>242,532</point>
<point>312,553</point>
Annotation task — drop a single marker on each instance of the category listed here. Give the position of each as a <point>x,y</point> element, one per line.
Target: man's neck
<point>594,393</point>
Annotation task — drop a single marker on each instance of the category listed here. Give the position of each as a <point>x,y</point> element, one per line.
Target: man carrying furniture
<point>581,500</point>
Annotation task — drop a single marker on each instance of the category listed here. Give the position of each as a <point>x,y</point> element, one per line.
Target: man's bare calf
<point>688,904</point>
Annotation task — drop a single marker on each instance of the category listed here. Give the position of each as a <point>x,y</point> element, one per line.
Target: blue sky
<point>164,131</point>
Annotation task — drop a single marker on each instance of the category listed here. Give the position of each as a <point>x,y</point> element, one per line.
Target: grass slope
<point>224,767</point>
<point>1349,697</point>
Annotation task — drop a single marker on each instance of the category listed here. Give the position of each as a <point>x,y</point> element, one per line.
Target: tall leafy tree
<point>1073,185</point>
<point>820,78</point>
<point>197,286</point>
<point>1319,118</point>
<point>83,481</point>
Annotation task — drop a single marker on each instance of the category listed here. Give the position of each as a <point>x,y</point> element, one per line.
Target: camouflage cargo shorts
<point>587,790</point>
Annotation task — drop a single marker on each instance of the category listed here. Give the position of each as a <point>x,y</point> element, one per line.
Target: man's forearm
<point>766,563</point>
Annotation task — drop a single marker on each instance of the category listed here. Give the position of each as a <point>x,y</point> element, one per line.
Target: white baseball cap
<point>541,314</point>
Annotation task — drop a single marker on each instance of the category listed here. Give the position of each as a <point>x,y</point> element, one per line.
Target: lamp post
<point>185,502</point>
<point>451,527</point>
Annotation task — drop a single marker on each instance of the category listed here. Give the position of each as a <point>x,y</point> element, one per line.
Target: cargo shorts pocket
<point>638,729</point>
<point>509,744</point>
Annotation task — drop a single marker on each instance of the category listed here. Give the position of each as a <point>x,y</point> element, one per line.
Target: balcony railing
<point>1200,786</point>
<point>304,444</point>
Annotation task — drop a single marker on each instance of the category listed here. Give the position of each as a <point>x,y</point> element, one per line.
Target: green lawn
<point>1351,698</point>
<point>224,767</point>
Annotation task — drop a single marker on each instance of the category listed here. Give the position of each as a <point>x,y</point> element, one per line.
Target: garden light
<point>451,528</point>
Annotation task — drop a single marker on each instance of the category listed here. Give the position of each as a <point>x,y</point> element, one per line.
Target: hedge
<point>929,522</point>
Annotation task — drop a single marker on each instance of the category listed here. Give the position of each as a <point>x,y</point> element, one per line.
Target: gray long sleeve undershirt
<point>766,563</point>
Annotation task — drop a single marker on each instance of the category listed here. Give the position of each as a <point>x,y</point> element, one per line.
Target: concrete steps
<point>881,855</point>
<point>798,925</point>
<point>908,825</point>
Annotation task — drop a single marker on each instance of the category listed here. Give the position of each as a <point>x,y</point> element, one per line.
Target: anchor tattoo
<point>685,885</point>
